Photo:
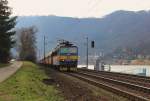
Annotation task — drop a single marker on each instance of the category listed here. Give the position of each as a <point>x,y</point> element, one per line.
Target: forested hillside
<point>118,31</point>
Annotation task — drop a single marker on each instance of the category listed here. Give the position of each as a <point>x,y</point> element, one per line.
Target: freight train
<point>64,57</point>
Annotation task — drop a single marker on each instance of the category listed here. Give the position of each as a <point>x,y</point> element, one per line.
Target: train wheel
<point>73,69</point>
<point>63,69</point>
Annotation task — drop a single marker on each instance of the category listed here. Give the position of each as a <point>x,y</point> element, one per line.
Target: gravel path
<point>6,72</point>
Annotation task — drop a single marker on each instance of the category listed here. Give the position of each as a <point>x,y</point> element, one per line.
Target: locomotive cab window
<point>70,50</point>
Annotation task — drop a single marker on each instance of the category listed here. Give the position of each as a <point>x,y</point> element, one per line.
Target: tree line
<point>26,39</point>
<point>7,24</point>
<point>26,43</point>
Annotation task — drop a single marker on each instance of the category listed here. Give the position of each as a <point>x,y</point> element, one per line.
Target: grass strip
<point>26,85</point>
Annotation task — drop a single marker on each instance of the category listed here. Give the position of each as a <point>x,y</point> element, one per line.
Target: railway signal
<point>92,44</point>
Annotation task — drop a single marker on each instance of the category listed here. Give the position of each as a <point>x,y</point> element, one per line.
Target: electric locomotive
<point>64,57</point>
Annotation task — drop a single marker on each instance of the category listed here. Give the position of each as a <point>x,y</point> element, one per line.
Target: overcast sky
<point>76,8</point>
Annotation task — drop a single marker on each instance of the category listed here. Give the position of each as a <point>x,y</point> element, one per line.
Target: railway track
<point>134,79</point>
<point>131,91</point>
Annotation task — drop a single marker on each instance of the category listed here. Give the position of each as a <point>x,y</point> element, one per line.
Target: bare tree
<point>27,43</point>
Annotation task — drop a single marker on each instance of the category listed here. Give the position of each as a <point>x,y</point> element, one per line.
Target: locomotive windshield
<point>68,50</point>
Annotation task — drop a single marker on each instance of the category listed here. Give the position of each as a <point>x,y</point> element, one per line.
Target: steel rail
<point>132,86</point>
<point>130,76</point>
<point>130,96</point>
<point>121,78</point>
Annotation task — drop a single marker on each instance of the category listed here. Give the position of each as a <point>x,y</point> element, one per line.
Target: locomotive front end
<point>68,58</point>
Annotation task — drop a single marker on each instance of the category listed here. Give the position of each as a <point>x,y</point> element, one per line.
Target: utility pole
<point>39,54</point>
<point>87,55</point>
<point>44,47</point>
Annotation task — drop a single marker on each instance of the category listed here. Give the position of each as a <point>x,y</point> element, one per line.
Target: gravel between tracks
<point>76,90</point>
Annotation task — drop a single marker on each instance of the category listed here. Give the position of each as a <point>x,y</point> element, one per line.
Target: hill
<point>120,29</point>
